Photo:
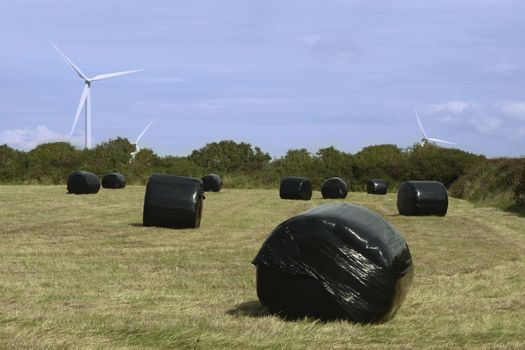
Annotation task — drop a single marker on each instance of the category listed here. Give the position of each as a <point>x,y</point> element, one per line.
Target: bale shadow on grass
<point>252,308</point>
<point>516,209</point>
<point>255,309</point>
<point>136,224</point>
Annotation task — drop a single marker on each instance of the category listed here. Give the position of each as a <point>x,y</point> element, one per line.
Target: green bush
<point>499,182</point>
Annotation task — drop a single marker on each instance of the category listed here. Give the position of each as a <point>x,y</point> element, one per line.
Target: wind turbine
<point>85,98</point>
<point>429,139</point>
<point>136,143</point>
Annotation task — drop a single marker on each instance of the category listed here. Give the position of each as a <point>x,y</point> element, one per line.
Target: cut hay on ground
<point>82,272</point>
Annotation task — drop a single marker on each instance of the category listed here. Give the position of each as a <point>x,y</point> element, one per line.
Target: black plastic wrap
<point>212,183</point>
<point>422,198</point>
<point>114,180</point>
<point>83,182</point>
<point>376,186</point>
<point>173,201</point>
<point>296,187</point>
<point>334,187</point>
<point>336,261</point>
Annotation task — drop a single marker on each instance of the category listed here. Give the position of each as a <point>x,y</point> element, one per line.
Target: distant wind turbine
<point>429,139</point>
<point>85,98</point>
<point>136,143</point>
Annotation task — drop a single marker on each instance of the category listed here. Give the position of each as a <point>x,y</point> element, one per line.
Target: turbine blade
<point>420,125</point>
<point>441,141</point>
<point>142,134</point>
<point>83,97</point>
<point>75,68</point>
<point>111,75</point>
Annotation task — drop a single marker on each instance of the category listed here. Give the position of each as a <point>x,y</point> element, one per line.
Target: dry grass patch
<point>81,271</point>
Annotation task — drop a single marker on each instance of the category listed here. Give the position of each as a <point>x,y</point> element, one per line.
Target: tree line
<point>242,165</point>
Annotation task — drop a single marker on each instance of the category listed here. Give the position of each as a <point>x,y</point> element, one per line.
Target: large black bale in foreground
<point>83,182</point>
<point>376,186</point>
<point>336,261</point>
<point>212,183</point>
<point>422,198</point>
<point>114,180</point>
<point>173,201</point>
<point>296,187</point>
<point>334,187</point>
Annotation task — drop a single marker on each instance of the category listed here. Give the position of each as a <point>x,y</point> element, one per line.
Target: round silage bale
<point>83,182</point>
<point>376,186</point>
<point>212,183</point>
<point>296,187</point>
<point>422,198</point>
<point>173,201</point>
<point>334,187</point>
<point>336,261</point>
<point>114,181</point>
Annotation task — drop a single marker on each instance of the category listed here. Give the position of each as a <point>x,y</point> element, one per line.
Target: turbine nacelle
<point>85,97</point>
<point>427,139</point>
<point>136,143</point>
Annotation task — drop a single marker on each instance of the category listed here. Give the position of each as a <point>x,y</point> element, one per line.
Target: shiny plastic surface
<point>114,180</point>
<point>83,182</point>
<point>173,201</point>
<point>334,187</point>
<point>376,186</point>
<point>296,187</point>
<point>212,183</point>
<point>340,250</point>
<point>422,198</point>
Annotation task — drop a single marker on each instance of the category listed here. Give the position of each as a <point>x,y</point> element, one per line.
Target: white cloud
<point>454,107</point>
<point>28,138</point>
<point>521,132</point>
<point>330,48</point>
<point>486,125</point>
<point>515,109</point>
<point>501,67</point>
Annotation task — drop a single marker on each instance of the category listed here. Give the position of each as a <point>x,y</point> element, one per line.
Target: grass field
<point>82,272</point>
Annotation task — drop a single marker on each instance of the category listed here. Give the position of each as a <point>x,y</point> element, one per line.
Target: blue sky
<point>277,74</point>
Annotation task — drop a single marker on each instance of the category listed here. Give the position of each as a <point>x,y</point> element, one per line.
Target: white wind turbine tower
<point>136,143</point>
<point>429,139</point>
<point>85,98</point>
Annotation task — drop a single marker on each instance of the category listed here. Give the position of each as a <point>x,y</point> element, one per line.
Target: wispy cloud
<point>485,124</point>
<point>330,47</point>
<point>513,109</point>
<point>501,68</point>
<point>454,107</point>
<point>28,138</point>
<point>162,79</point>
<point>471,115</point>
<point>520,132</point>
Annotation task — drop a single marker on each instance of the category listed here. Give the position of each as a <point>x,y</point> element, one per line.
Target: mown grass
<point>81,272</point>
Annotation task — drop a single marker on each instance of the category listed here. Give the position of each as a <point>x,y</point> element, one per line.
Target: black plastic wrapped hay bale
<point>336,261</point>
<point>83,182</point>
<point>334,187</point>
<point>376,186</point>
<point>173,201</point>
<point>212,183</point>
<point>422,198</point>
<point>114,180</point>
<point>296,187</point>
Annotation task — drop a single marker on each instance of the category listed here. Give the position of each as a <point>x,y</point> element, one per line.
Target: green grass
<point>81,272</point>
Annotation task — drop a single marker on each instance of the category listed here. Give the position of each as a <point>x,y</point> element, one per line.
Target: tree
<point>430,162</point>
<point>13,165</point>
<point>229,156</point>
<point>53,162</point>
<point>381,162</point>
<point>333,162</point>
<point>110,156</point>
